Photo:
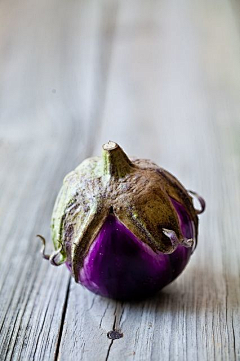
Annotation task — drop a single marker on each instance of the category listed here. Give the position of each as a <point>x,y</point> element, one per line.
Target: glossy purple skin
<point>120,266</point>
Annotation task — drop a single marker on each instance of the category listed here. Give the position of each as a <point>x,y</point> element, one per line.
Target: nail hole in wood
<point>114,335</point>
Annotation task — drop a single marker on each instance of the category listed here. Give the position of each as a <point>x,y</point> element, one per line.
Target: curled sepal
<point>172,236</point>
<point>44,255</point>
<point>200,200</point>
<point>56,258</point>
<point>145,209</point>
<point>188,243</point>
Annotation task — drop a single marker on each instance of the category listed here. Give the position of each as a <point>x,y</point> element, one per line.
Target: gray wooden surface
<point>162,78</point>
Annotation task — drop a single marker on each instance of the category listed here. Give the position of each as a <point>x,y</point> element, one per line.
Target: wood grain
<point>49,93</point>
<point>163,80</point>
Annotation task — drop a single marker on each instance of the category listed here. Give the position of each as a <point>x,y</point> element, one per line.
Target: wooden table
<point>162,78</point>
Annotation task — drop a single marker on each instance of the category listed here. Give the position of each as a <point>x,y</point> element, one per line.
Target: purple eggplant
<point>124,227</point>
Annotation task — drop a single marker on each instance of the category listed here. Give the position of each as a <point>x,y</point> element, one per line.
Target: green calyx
<point>136,191</point>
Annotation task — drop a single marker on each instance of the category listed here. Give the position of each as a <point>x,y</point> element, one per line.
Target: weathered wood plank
<point>173,96</point>
<point>49,91</point>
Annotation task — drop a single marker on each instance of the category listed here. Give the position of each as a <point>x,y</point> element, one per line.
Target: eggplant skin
<point>122,267</point>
